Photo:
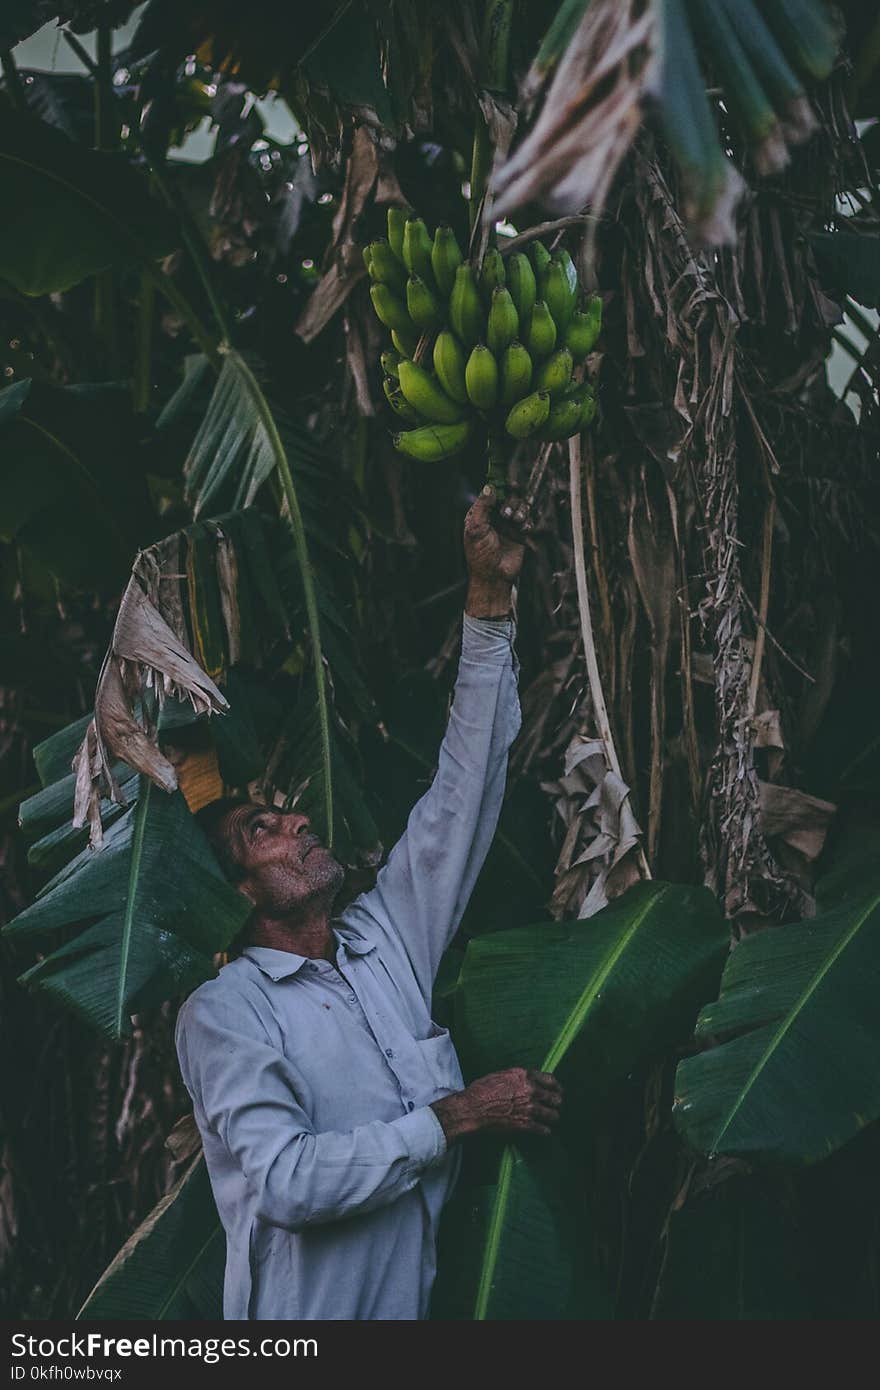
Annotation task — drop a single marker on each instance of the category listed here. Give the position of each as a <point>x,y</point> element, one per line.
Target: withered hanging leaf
<point>228,585</point>
<point>598,860</point>
<point>799,819</point>
<point>144,654</point>
<point>206,618</point>
<point>589,117</point>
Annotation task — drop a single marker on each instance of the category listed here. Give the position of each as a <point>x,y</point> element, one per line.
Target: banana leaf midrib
<point>266,425</point>
<point>558,1049</point>
<point>789,1018</point>
<point>137,851</point>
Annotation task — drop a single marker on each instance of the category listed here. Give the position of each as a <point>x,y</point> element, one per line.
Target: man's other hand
<point>493,548</point>
<point>516,1101</point>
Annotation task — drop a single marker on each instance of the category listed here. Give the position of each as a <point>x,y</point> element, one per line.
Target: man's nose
<point>296,822</point>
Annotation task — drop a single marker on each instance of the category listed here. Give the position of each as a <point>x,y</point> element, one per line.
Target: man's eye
<point>257,827</point>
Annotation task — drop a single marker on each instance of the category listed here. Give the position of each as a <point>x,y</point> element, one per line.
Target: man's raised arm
<point>423,889</point>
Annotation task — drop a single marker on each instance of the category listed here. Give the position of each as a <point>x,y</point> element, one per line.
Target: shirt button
<point>389,1052</point>
<point>352,999</point>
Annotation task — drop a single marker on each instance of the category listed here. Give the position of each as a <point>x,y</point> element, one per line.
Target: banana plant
<point>204,598</point>
<point>162,907</point>
<point>790,1066</point>
<point>75,212</point>
<point>588,1000</point>
<point>60,454</point>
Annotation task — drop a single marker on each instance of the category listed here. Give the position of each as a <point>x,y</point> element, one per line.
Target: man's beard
<point>324,883</point>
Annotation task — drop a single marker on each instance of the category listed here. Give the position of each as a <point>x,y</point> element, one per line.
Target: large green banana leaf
<point>158,910</point>
<point>63,495</point>
<point>791,1066</point>
<point>588,1000</point>
<point>70,212</point>
<point>533,1229</point>
<point>172,1266</point>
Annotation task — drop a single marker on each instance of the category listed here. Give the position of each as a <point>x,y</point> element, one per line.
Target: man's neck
<point>306,933</point>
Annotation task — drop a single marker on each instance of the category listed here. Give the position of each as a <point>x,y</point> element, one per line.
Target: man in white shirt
<point>330,1104</point>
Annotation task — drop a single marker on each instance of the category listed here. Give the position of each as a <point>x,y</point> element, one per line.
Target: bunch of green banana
<point>504,340</point>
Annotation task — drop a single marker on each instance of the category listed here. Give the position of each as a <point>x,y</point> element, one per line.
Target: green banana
<point>528,415</point>
<point>522,284</point>
<point>465,309</point>
<point>427,396</point>
<point>571,274</point>
<point>385,268</point>
<point>516,374</point>
<point>481,378</point>
<point>390,362</point>
<point>540,334</point>
<point>368,256</point>
<point>492,272</point>
<point>445,259</point>
<point>559,294</point>
<point>554,374</point>
<point>434,443</point>
<point>540,261</point>
<point>405,342</point>
<point>396,221</point>
<point>424,307</point>
<point>389,309</point>
<point>399,403</point>
<point>563,421</point>
<point>503,323</point>
<point>417,250</point>
<point>449,364</point>
<point>584,328</point>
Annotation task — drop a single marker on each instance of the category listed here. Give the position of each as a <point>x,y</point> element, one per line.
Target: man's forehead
<point>237,816</point>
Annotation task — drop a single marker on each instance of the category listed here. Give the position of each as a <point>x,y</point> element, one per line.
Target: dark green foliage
<point>71,212</point>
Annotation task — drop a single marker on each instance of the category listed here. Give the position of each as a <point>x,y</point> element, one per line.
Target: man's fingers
<point>515,512</point>
<point>548,1097</point>
<point>478,521</point>
<point>544,1078</point>
<point>545,1114</point>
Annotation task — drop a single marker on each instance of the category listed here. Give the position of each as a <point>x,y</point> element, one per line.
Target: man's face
<point>285,865</point>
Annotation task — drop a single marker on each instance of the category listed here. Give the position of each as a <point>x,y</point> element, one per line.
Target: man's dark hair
<point>210,820</point>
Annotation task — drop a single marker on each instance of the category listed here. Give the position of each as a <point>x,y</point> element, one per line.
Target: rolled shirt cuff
<point>487,639</point>
<point>423,1135</point>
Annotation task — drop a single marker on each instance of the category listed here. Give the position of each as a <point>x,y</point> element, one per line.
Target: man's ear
<point>246,889</point>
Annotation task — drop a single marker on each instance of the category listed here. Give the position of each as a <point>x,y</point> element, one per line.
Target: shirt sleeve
<point>422,891</point>
<point>243,1092</point>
